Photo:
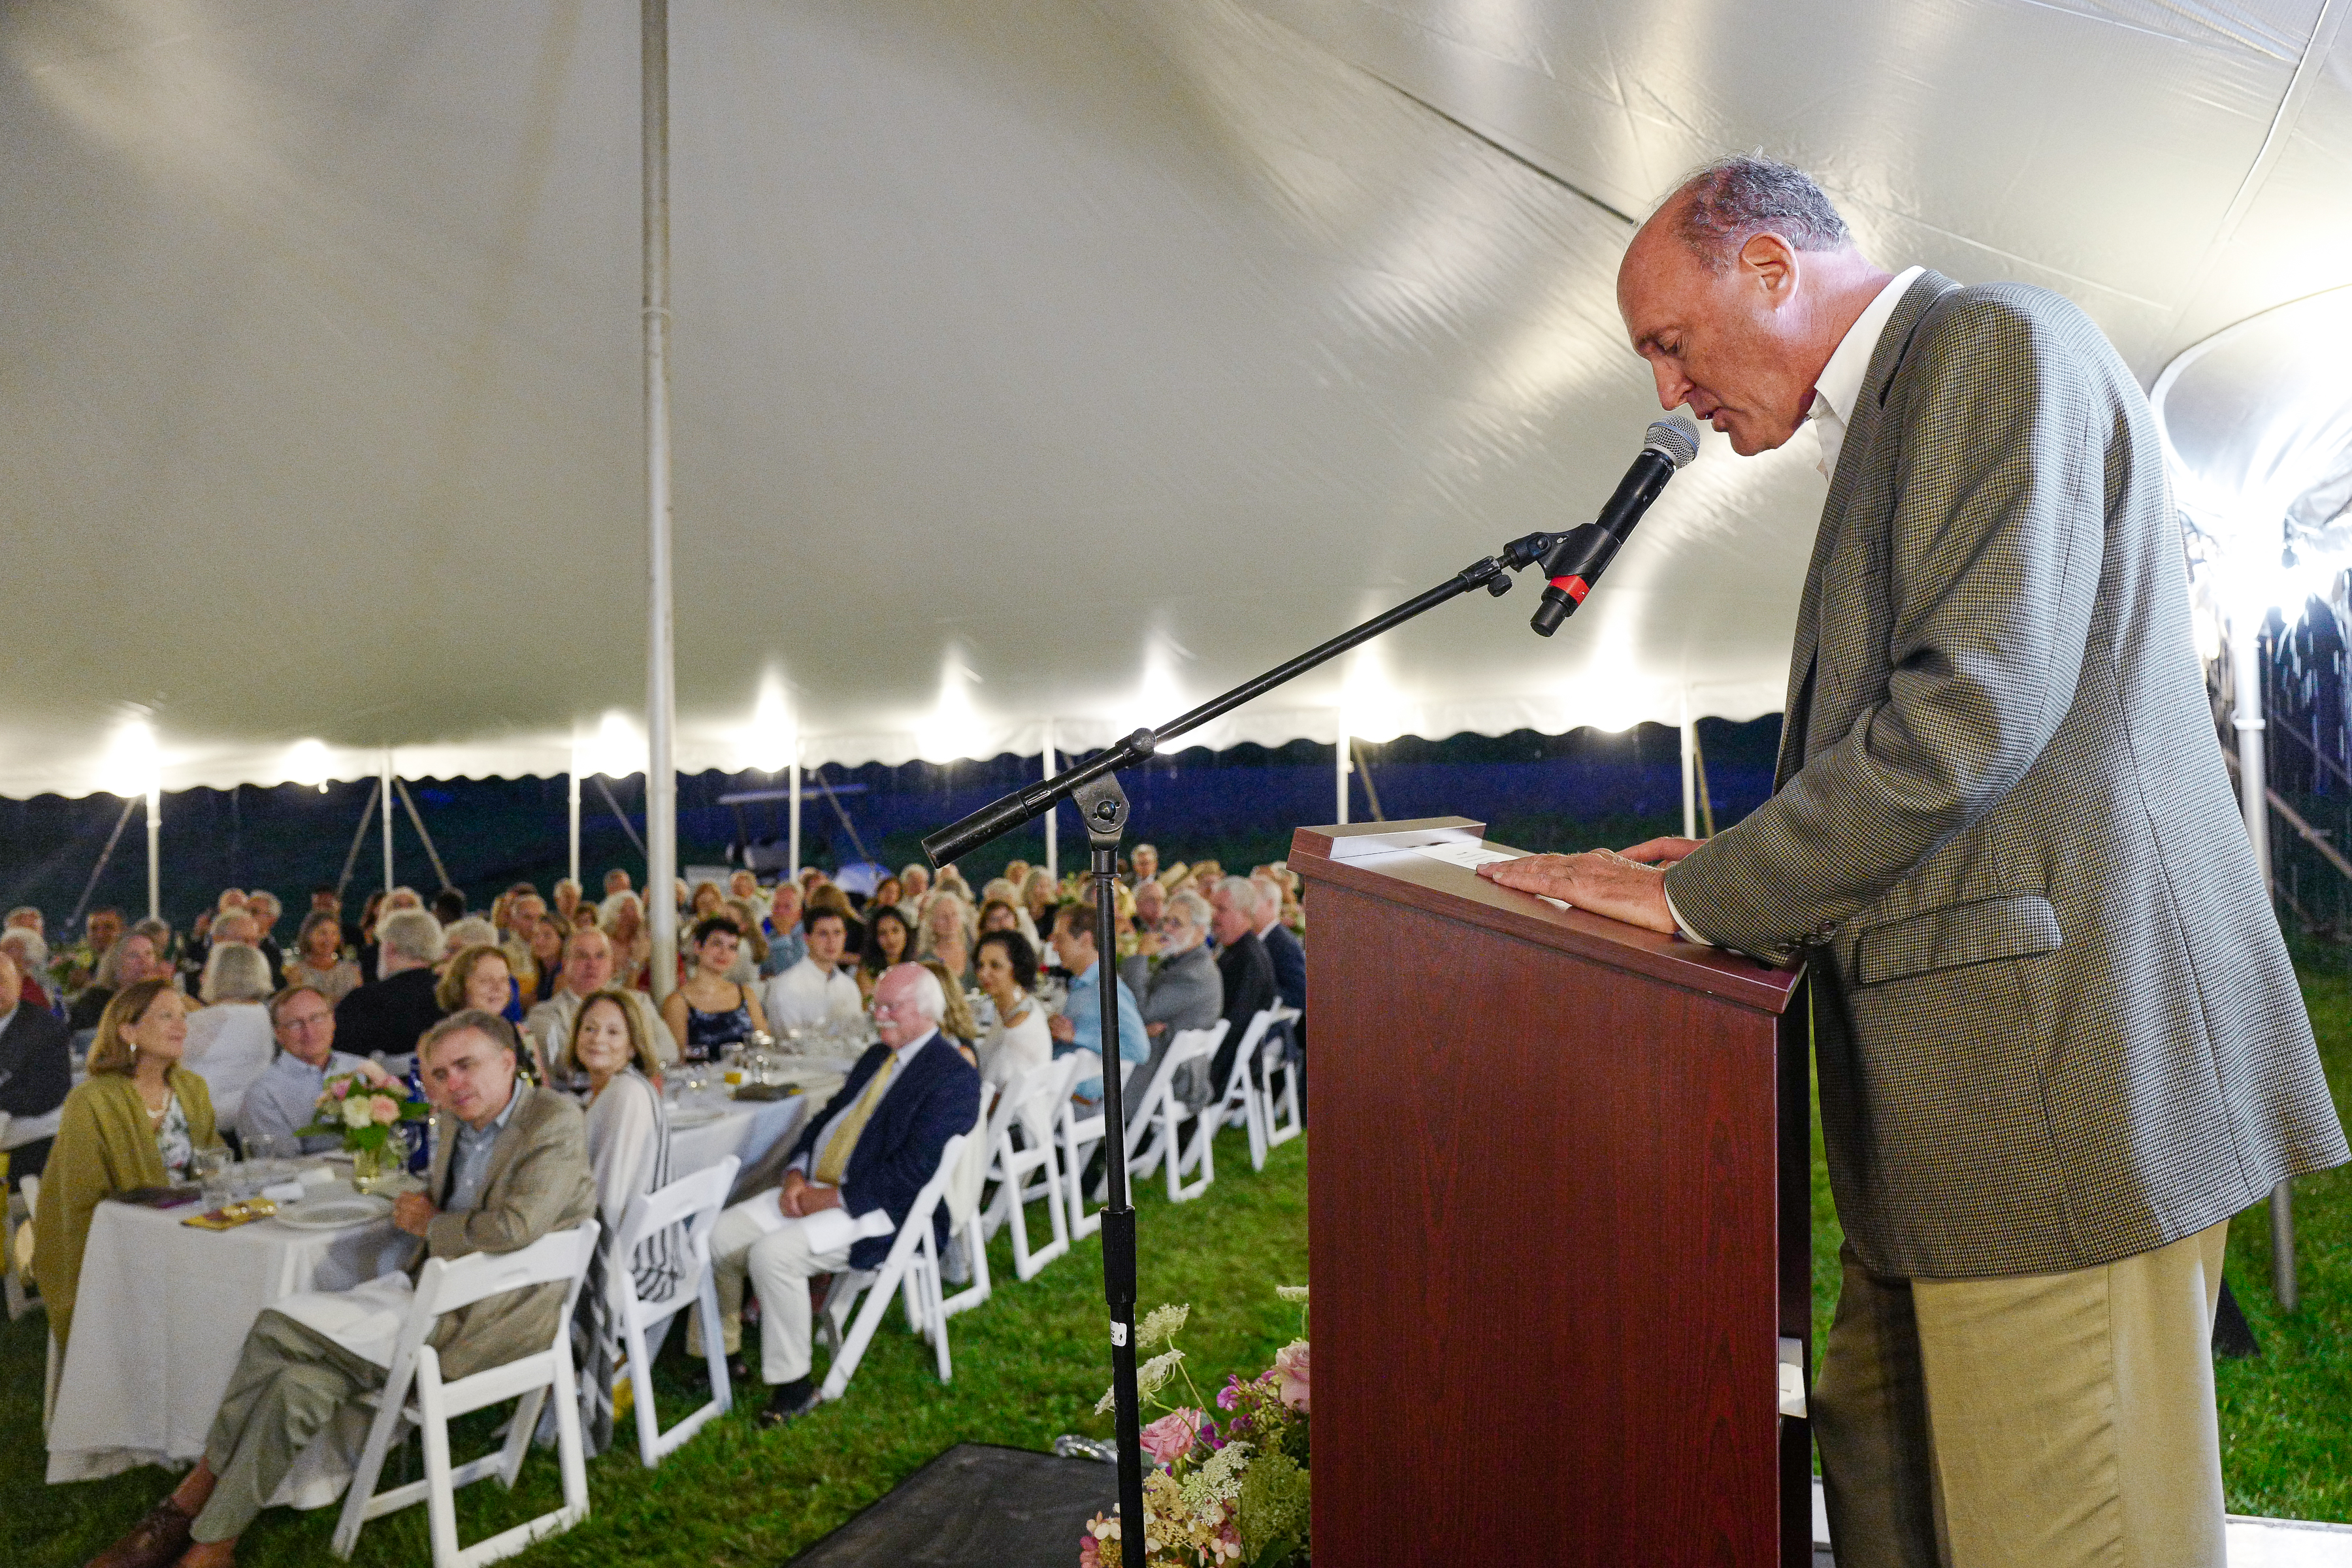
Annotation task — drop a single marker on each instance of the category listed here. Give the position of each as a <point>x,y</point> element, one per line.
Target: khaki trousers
<point>289,1382</point>
<point>780,1264</point>
<point>2038,1421</point>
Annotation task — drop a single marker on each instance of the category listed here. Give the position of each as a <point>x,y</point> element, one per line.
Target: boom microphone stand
<point>1102,805</point>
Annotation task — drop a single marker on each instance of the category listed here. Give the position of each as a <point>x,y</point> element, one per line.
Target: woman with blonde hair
<point>137,1122</point>
<point>230,1043</point>
<point>623,916</point>
<point>1038,895</point>
<point>628,1156</point>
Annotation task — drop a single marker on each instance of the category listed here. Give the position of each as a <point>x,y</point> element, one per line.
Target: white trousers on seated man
<point>779,1256</point>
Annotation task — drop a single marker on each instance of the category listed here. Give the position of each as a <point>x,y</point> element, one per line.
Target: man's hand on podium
<point>1631,887</point>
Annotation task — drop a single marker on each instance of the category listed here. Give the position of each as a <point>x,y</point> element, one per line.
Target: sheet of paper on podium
<point>1471,856</point>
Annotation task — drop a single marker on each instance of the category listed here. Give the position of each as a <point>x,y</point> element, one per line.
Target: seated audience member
<point>326,900</point>
<point>127,963</point>
<point>957,1023</point>
<point>319,962</point>
<point>1180,990</point>
<point>786,943</point>
<point>588,969</point>
<point>888,894</point>
<point>516,1170</point>
<point>566,895</point>
<point>1241,960</point>
<point>1151,903</point>
<point>1282,949</point>
<point>387,1018</point>
<point>1078,1027</point>
<point>1038,895</point>
<point>526,913</point>
<point>24,916</point>
<point>477,976</point>
<point>1002,914</point>
<point>548,936</point>
<point>32,956</point>
<point>827,896</point>
<point>228,1043</point>
<point>623,919</point>
<point>448,907</point>
<point>1018,1040</point>
<point>913,891</point>
<point>889,941</point>
<point>707,900</point>
<point>1143,865</point>
<point>815,989</point>
<point>101,930</point>
<point>753,950</point>
<point>628,1156</point>
<point>709,1012</point>
<point>1004,891</point>
<point>616,881</point>
<point>849,1185</point>
<point>947,916</point>
<point>264,909</point>
<point>471,931</point>
<point>284,1099</point>
<point>744,885</point>
<point>136,1122</point>
<point>36,1072</point>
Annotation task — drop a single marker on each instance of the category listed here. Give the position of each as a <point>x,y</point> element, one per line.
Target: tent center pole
<point>384,789</point>
<point>1690,770</point>
<point>571,805</point>
<point>155,851</point>
<point>792,817</point>
<point>661,682</point>
<point>2253,797</point>
<point>1339,762</point>
<point>1053,819</point>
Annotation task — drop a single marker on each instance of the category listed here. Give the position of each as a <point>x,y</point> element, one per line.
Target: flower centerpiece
<point>1218,1496</point>
<point>363,1115</point>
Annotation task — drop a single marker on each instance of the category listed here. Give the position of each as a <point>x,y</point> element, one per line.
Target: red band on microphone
<point>1574,587</point>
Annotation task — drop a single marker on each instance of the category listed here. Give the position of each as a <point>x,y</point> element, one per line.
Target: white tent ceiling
<point>1041,360</point>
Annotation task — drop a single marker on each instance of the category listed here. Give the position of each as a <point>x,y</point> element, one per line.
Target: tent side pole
<point>572,804</point>
<point>1339,762</point>
<point>2253,784</point>
<point>1690,770</point>
<point>1053,816</point>
<point>793,816</point>
<point>661,683</point>
<point>384,791</point>
<point>155,851</point>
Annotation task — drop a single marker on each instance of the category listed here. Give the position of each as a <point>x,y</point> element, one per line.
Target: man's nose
<point>1673,387</point>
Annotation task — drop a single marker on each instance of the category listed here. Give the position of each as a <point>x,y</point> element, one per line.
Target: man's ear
<point>1771,261</point>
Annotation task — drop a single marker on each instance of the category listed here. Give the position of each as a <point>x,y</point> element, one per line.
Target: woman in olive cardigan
<point>133,1124</point>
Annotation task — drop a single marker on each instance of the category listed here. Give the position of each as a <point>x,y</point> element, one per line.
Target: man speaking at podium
<point>2058,1039</point>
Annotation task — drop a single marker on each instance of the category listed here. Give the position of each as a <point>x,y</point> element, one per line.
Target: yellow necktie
<point>837,1148</point>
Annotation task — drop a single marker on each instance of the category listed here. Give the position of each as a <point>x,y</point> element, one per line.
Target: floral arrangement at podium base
<point>1230,1493</point>
<point>363,1115</point>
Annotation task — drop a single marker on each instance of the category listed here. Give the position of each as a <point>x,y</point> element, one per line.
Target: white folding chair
<point>964,1223</point>
<point>21,1293</point>
<point>1244,1097</point>
<point>1030,1169</point>
<point>1155,1131</point>
<point>1283,1117</point>
<point>693,1202</point>
<point>445,1286</point>
<point>912,1268</point>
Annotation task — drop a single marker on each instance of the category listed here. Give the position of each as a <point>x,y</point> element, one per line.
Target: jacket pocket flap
<point>2016,927</point>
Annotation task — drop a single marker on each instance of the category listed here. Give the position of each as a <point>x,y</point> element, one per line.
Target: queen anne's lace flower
<point>1162,1323</point>
<point>1291,1292</point>
<point>1149,1378</point>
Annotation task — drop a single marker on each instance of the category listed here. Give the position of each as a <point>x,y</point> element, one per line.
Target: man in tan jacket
<point>515,1170</point>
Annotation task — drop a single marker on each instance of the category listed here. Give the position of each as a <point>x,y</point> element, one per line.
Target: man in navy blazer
<point>851,1181</point>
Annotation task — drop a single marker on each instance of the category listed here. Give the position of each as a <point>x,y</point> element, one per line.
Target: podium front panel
<point>1546,1216</point>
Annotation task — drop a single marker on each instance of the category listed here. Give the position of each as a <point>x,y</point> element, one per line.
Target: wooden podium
<point>1558,1209</point>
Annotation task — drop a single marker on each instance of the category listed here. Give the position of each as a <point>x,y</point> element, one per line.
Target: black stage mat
<point>977,1506</point>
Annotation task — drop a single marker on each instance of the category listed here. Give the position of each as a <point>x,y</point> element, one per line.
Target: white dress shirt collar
<point>1840,387</point>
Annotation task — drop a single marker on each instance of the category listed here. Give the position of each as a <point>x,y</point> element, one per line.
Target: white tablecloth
<point>160,1315</point>
<point>758,1132</point>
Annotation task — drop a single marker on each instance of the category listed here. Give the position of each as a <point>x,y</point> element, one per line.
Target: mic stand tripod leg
<point>1103,808</point>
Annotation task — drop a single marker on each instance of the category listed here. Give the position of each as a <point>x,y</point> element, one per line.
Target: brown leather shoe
<point>155,1541</point>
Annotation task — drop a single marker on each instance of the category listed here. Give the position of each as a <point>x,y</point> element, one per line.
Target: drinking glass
<point>209,1167</point>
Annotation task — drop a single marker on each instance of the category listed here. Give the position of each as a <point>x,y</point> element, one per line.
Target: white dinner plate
<point>696,1116</point>
<point>336,1213</point>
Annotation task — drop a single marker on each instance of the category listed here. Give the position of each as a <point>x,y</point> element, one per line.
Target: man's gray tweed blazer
<point>2053,1019</point>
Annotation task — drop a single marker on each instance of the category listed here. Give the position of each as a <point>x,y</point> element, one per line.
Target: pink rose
<point>1290,1366</point>
<point>339,1088</point>
<point>385,1111</point>
<point>1171,1437</point>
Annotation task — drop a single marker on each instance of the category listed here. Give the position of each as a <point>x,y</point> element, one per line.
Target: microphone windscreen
<point>1676,439</point>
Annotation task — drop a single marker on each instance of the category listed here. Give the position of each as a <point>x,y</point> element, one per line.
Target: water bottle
<point>420,1147</point>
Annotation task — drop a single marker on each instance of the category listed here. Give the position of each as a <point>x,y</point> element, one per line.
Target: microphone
<point>1577,558</point>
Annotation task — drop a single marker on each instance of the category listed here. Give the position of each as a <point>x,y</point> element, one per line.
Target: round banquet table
<point>164,1307</point>
<point>160,1315</point>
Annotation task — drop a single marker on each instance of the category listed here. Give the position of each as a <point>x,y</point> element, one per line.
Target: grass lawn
<point>1029,1363</point>
<point>2286,1415</point>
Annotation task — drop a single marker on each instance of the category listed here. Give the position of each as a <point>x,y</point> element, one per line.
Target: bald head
<point>1737,291</point>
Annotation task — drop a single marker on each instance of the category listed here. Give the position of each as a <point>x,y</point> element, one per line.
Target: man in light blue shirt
<point>1079,1027</point>
<point>787,944</point>
<point>285,1098</point>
